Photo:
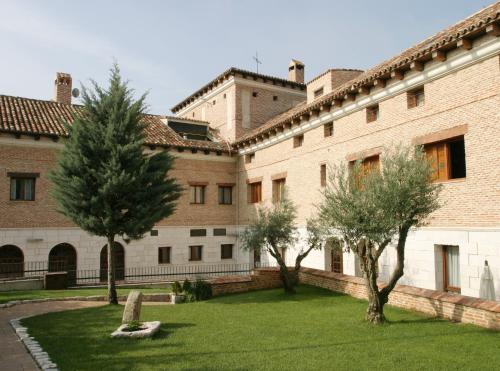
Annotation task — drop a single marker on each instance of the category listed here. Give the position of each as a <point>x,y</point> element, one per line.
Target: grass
<point>42,294</point>
<point>266,330</point>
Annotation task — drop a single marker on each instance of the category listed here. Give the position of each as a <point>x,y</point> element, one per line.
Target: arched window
<point>119,257</point>
<point>62,258</point>
<point>11,261</point>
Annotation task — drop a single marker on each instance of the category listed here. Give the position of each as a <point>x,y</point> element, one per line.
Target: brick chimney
<point>62,88</point>
<point>296,71</point>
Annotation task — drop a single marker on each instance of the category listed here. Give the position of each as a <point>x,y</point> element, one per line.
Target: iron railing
<point>166,273</point>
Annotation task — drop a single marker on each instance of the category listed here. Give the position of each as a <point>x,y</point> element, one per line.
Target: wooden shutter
<point>437,154</point>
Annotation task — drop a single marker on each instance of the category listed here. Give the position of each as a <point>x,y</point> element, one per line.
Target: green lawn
<point>266,330</point>
<point>41,294</point>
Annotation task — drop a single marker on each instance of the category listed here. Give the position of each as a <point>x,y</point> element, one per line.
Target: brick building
<point>242,136</point>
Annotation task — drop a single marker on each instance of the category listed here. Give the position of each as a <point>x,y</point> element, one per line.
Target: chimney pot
<point>62,88</point>
<point>296,71</point>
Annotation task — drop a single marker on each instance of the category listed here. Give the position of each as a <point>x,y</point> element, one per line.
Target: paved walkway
<point>13,354</point>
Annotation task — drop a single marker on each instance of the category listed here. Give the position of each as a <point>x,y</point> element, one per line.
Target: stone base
<point>151,328</point>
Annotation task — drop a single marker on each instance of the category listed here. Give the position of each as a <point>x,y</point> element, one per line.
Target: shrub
<point>176,288</point>
<point>186,286</point>
<point>134,326</point>
<point>202,290</point>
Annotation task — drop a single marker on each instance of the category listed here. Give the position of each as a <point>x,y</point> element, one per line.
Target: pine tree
<point>105,182</point>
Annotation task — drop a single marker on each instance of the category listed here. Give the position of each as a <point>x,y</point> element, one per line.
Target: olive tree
<point>375,209</point>
<point>274,231</point>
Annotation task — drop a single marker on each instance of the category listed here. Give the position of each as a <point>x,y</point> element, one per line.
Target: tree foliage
<point>274,231</point>
<point>105,182</point>
<point>372,210</point>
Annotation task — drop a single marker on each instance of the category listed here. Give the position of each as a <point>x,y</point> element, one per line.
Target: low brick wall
<point>22,284</point>
<point>262,278</point>
<point>484,313</point>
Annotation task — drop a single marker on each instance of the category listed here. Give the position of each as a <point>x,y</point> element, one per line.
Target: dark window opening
<point>195,253</point>
<point>372,113</point>
<point>275,97</point>
<point>457,159</point>
<point>198,232</point>
<point>219,231</point>
<point>197,195</point>
<point>318,92</point>
<point>164,255</point>
<point>154,232</point>
<point>328,129</point>
<point>415,98</point>
<point>254,94</point>
<point>249,158</point>
<point>323,175</point>
<point>225,195</point>
<point>226,251</point>
<point>298,140</point>
<point>22,188</point>
<point>255,192</point>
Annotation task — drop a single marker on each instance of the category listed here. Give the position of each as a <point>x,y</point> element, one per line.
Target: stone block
<point>132,311</point>
<point>55,281</point>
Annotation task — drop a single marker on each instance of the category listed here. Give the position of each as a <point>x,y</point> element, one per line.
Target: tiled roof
<point>231,72</point>
<point>46,118</point>
<point>446,39</point>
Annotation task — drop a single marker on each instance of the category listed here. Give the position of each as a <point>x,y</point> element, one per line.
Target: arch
<point>119,255</point>
<point>11,261</point>
<point>62,258</point>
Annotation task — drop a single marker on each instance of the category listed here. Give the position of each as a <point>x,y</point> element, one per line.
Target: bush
<point>202,290</point>
<point>134,326</point>
<point>176,288</point>
<point>186,286</point>
<point>199,290</point>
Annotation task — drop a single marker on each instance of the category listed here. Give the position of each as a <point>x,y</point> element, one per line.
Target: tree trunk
<point>376,300</point>
<point>112,297</point>
<point>288,282</point>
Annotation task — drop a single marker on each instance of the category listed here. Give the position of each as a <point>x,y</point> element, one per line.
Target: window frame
<point>446,286</point>
<point>192,257</point>
<point>442,148</point>
<point>372,113</point>
<point>14,178</point>
<point>223,188</point>
<point>412,97</point>
<point>222,246</point>
<point>255,189</point>
<point>160,255</point>
<point>322,175</point>
<point>194,187</point>
<point>278,189</point>
<point>328,129</point>
<point>298,140</point>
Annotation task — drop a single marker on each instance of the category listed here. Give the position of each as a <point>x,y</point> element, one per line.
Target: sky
<point>171,48</point>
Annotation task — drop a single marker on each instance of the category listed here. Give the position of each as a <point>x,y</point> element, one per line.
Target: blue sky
<point>171,48</point>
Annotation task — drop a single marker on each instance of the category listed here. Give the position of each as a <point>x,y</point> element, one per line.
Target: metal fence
<point>166,273</point>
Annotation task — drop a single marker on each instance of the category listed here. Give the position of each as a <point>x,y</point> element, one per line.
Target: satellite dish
<point>75,93</point>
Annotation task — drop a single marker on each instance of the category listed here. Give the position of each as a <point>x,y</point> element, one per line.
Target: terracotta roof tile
<point>446,38</point>
<point>46,118</point>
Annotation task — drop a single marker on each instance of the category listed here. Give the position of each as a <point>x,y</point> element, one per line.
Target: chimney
<point>62,88</point>
<point>296,71</point>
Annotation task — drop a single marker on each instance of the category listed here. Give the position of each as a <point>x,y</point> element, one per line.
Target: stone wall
<point>260,279</point>
<point>484,313</point>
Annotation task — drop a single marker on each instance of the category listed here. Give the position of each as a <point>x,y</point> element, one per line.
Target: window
<point>318,92</point>
<point>372,113</point>
<point>451,269</point>
<point>219,231</point>
<point>322,175</point>
<point>225,195</point>
<point>164,254</point>
<point>328,129</point>
<point>195,253</point>
<point>22,186</point>
<point>213,102</point>
<point>275,97</point>
<point>226,251</point>
<point>298,140</point>
<point>368,165</point>
<point>255,192</point>
<point>447,159</point>
<point>278,189</point>
<point>154,232</point>
<point>224,95</point>
<point>197,195</point>
<point>254,94</point>
<point>198,232</point>
<point>193,114</point>
<point>415,98</point>
<point>249,158</point>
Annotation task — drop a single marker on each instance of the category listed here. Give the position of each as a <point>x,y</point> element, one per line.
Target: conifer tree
<point>105,182</point>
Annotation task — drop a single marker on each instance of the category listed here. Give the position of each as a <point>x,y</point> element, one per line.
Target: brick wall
<point>484,313</point>
<point>260,279</point>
